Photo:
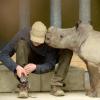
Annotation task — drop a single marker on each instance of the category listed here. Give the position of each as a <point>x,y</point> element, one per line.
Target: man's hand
<point>20,71</point>
<point>29,68</point>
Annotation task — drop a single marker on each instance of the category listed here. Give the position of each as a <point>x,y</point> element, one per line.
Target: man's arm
<point>9,50</point>
<point>5,55</point>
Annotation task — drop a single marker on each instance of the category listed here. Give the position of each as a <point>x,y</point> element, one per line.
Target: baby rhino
<point>85,41</point>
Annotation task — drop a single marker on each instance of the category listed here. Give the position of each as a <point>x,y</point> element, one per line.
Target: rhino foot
<point>91,93</point>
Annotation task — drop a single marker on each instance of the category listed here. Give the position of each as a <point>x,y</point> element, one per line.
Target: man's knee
<point>22,52</point>
<point>21,43</point>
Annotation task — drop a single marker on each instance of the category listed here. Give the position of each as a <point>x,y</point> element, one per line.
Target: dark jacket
<point>49,54</point>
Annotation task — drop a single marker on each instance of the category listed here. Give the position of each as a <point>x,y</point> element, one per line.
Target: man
<point>32,56</point>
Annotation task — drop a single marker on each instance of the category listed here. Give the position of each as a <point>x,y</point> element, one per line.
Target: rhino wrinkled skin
<point>85,41</point>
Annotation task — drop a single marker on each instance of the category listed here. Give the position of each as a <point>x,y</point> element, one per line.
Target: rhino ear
<point>77,24</point>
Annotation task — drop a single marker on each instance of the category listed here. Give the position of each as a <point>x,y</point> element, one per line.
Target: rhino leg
<point>91,93</point>
<point>94,81</point>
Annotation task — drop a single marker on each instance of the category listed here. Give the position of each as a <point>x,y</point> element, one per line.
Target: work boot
<point>57,91</point>
<point>23,88</point>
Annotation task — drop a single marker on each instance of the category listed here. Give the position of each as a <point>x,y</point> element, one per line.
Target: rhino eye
<point>61,36</point>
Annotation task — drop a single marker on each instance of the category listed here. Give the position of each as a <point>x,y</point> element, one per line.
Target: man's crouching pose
<point>33,55</point>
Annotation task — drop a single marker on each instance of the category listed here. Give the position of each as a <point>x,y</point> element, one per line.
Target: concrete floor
<point>47,96</point>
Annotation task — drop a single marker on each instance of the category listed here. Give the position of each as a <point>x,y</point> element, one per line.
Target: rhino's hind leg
<point>94,81</point>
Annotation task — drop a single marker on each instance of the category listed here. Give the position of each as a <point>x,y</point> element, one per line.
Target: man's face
<point>36,43</point>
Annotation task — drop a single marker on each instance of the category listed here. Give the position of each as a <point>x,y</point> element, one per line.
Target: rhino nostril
<point>48,38</point>
<point>61,36</point>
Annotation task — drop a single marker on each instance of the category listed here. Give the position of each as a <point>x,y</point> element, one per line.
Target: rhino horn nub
<point>52,29</point>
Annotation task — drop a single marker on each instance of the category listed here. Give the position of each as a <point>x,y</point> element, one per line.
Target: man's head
<point>37,33</point>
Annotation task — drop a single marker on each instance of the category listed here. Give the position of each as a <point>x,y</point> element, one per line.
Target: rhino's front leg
<point>94,80</point>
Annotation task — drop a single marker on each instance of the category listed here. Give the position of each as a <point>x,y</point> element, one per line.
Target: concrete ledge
<point>74,80</point>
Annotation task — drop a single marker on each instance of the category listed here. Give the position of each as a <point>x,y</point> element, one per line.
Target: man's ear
<point>77,24</point>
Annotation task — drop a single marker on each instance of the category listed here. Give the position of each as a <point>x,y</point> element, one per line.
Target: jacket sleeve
<point>50,61</point>
<point>8,51</point>
<point>5,55</point>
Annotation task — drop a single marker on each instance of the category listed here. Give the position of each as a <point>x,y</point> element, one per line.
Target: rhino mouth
<point>53,45</point>
<point>50,43</point>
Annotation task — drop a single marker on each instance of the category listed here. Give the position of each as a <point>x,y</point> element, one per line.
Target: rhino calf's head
<point>70,38</point>
<point>60,38</point>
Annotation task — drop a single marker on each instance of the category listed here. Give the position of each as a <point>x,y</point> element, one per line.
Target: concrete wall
<point>8,19</point>
<point>69,12</point>
<point>95,14</point>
